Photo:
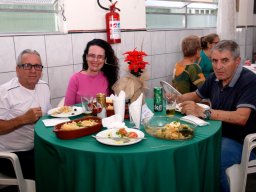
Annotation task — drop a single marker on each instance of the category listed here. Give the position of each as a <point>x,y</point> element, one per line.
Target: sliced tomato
<point>132,135</point>
<point>122,132</point>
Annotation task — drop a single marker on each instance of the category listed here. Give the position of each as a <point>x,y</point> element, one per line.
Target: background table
<point>152,165</point>
<point>251,67</point>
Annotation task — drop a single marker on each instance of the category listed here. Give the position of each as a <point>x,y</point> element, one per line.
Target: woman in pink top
<point>99,73</point>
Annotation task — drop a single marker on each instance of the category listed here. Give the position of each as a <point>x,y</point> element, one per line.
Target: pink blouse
<point>85,85</point>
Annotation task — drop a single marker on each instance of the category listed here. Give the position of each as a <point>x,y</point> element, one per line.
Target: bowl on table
<point>168,127</point>
<point>78,128</point>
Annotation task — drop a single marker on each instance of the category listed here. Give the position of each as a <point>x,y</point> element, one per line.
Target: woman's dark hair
<point>207,39</point>
<point>111,67</point>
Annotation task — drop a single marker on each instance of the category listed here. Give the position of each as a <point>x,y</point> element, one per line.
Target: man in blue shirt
<point>232,92</point>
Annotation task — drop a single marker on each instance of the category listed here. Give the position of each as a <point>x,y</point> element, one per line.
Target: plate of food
<point>65,111</point>
<point>78,128</point>
<point>120,137</point>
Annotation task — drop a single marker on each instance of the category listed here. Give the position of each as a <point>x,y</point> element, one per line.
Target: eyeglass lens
<point>93,56</point>
<point>28,66</point>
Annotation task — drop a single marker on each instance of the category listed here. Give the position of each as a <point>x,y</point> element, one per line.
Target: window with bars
<point>166,14</point>
<point>31,16</point>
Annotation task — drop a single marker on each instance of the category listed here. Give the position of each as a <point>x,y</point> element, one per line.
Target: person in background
<point>231,90</point>
<point>23,100</point>
<point>207,43</point>
<point>99,73</point>
<point>187,73</point>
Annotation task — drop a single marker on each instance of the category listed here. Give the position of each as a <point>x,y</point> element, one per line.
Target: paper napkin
<point>195,120</point>
<point>55,121</point>
<point>135,111</point>
<point>146,112</point>
<point>114,121</point>
<point>119,104</point>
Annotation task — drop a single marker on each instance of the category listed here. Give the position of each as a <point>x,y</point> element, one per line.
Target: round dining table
<point>151,165</point>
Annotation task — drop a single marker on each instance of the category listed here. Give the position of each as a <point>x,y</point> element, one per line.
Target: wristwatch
<point>207,114</point>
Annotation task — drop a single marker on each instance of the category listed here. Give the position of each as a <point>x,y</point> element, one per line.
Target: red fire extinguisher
<point>113,25</point>
<point>113,28</point>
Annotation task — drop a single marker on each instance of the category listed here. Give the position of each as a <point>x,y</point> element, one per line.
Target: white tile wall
<point>7,54</point>
<point>173,41</point>
<point>143,42</point>
<point>171,60</point>
<point>249,36</point>
<point>240,36</point>
<point>158,41</point>
<point>58,80</point>
<point>127,44</point>
<point>31,42</point>
<point>59,50</point>
<point>158,66</point>
<point>248,51</point>
<point>4,77</point>
<point>62,54</point>
<point>242,53</point>
<point>254,35</point>
<point>79,42</point>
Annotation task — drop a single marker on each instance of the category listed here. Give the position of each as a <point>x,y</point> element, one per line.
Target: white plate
<point>74,112</point>
<point>102,137</point>
<point>178,108</point>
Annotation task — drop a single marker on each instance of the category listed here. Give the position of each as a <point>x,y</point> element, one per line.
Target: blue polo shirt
<point>241,92</point>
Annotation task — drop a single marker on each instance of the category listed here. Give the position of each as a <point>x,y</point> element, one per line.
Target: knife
<point>117,138</point>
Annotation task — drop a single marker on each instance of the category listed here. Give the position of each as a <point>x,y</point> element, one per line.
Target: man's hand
<point>32,115</point>
<point>191,108</point>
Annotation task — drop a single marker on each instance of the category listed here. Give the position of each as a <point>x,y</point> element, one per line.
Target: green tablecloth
<point>152,165</point>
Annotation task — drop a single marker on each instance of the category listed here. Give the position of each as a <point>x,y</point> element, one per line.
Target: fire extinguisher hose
<point>98,1</point>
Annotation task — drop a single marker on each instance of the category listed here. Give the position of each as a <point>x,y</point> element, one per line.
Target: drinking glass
<point>171,105</point>
<point>87,104</point>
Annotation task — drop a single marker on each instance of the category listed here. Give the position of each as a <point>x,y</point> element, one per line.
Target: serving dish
<point>170,128</point>
<point>78,132</point>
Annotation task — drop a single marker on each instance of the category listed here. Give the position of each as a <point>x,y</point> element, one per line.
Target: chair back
<point>25,185</point>
<point>248,166</point>
<point>237,174</point>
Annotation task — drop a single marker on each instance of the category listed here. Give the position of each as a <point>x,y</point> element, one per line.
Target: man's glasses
<point>98,57</point>
<point>28,66</point>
